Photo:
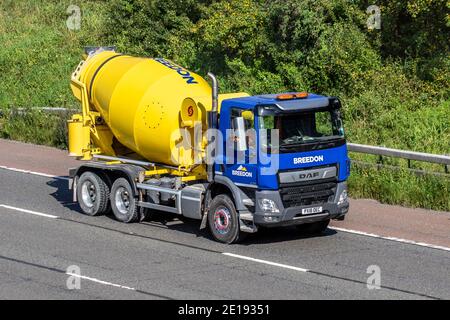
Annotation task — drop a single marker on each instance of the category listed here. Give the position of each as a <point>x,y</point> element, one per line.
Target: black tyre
<point>223,220</point>
<point>315,227</point>
<point>123,203</point>
<point>93,194</point>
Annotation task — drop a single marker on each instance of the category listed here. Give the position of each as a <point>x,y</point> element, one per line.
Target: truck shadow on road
<point>172,222</point>
<point>62,193</point>
<point>263,236</point>
<point>282,234</point>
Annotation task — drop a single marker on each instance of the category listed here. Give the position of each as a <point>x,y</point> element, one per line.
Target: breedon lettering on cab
<point>277,160</point>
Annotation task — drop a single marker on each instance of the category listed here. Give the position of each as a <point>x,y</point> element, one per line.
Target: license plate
<point>312,210</point>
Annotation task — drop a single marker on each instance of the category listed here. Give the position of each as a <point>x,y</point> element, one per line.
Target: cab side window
<point>243,120</point>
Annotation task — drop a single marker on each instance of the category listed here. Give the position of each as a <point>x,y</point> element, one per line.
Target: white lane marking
<point>100,281</point>
<point>34,173</point>
<point>29,211</point>
<point>286,266</point>
<point>422,244</point>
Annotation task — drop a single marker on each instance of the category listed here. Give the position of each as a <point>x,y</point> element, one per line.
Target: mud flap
<point>204,220</point>
<point>73,186</point>
<point>205,213</point>
<point>142,214</point>
<point>142,211</point>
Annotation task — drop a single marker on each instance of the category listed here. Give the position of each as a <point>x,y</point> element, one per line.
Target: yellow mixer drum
<point>145,102</point>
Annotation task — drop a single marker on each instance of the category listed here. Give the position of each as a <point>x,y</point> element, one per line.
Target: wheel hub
<point>122,200</point>
<point>222,220</point>
<point>88,193</point>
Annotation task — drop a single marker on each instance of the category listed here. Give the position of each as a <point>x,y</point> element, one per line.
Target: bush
<point>35,126</point>
<point>401,187</point>
<point>39,52</point>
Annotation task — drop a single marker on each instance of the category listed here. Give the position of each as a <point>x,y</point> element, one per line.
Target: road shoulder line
<point>406,241</point>
<point>34,173</point>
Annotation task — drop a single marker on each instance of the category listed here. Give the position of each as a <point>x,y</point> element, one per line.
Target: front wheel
<point>123,202</point>
<point>223,220</point>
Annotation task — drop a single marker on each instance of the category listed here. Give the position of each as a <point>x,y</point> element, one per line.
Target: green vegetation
<point>37,55</point>
<point>38,52</point>
<point>23,125</point>
<point>394,82</point>
<point>399,186</point>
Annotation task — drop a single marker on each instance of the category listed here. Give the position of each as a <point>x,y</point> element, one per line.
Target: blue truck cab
<point>290,166</point>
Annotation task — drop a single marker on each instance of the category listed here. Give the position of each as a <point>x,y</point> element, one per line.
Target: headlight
<point>268,205</point>
<point>343,197</point>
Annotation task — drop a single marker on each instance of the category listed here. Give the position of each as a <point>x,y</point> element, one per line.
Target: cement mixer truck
<point>156,137</point>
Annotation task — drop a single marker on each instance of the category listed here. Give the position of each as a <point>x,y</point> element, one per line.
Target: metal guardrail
<point>395,153</point>
<point>403,154</point>
<point>55,109</point>
<point>46,109</point>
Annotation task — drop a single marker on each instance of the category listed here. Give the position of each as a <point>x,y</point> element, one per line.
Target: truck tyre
<point>223,220</point>
<point>315,227</point>
<point>92,194</point>
<point>123,202</point>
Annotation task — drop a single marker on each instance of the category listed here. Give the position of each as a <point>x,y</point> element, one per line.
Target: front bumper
<point>293,215</point>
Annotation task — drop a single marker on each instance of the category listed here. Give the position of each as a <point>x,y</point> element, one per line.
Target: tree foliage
<point>296,44</point>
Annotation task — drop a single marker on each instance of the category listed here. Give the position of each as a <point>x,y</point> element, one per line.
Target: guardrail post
<point>447,167</point>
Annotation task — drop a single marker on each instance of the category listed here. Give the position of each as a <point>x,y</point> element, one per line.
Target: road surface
<point>47,247</point>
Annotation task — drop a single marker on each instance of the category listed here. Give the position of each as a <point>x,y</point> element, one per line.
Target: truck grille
<point>309,193</point>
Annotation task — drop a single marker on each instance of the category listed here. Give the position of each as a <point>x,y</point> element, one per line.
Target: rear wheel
<point>123,202</point>
<point>93,194</point>
<point>223,220</point>
<point>315,227</point>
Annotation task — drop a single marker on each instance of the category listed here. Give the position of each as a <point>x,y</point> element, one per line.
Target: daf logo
<point>310,175</point>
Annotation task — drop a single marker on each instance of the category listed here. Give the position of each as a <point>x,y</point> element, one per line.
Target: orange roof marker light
<point>292,96</point>
<point>301,95</point>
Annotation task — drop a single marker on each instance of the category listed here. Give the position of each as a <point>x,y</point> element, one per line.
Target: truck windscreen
<point>302,131</point>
